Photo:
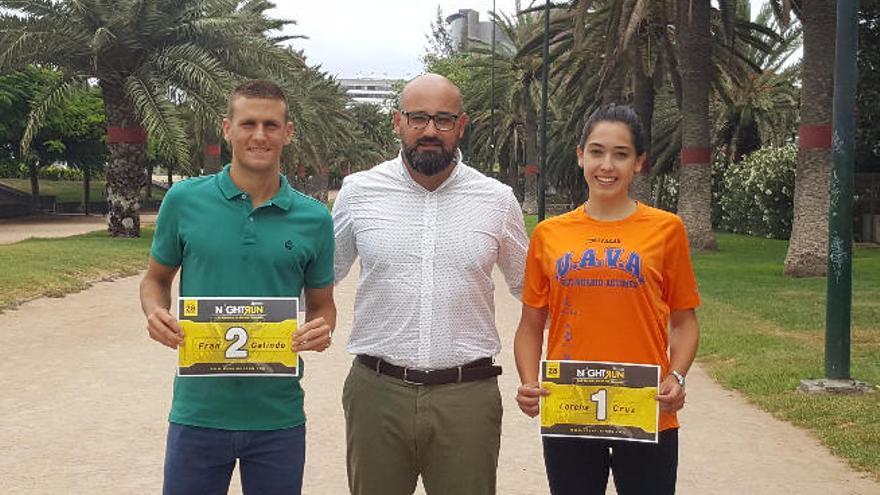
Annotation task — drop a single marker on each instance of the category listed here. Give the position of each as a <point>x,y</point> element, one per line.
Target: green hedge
<point>12,170</point>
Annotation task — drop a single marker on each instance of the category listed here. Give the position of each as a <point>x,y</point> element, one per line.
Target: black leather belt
<point>480,369</point>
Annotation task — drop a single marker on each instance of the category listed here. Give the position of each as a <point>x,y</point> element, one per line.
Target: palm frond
<point>194,68</point>
<point>159,117</point>
<point>50,98</point>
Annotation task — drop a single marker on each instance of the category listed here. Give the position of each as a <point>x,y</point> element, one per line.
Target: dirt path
<point>18,229</point>
<point>86,394</point>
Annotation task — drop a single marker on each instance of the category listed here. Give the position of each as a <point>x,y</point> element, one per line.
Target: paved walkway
<point>86,394</point>
<point>18,229</point>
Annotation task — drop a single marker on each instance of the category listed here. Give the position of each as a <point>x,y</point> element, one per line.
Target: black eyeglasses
<point>442,121</point>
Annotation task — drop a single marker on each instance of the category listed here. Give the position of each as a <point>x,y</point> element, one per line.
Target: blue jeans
<point>199,461</point>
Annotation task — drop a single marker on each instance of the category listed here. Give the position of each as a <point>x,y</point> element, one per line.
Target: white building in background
<point>374,90</point>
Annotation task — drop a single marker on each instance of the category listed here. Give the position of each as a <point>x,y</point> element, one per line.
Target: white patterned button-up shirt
<point>425,297</point>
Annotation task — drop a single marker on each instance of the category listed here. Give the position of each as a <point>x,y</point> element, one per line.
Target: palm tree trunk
<point>148,190</point>
<point>695,193</point>
<point>212,155</point>
<point>643,104</point>
<point>513,165</point>
<point>658,192</point>
<point>300,180</point>
<point>808,247</point>
<point>613,88</point>
<point>126,144</point>
<point>323,185</point>
<point>34,173</point>
<point>87,183</point>
<point>530,194</point>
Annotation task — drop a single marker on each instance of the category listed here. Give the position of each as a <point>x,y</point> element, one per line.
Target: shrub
<point>53,172</point>
<point>10,169</point>
<point>758,193</point>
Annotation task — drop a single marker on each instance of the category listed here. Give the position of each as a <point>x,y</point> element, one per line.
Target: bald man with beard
<point>422,395</point>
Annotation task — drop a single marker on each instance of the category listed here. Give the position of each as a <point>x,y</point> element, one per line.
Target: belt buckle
<point>406,378</point>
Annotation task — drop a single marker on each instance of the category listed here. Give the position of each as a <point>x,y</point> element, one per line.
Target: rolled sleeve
<point>514,244</point>
<point>343,234</point>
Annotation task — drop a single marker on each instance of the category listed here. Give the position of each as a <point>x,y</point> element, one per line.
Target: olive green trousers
<point>395,431</point>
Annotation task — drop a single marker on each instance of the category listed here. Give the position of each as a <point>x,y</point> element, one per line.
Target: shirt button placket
<point>429,240</point>
<point>250,230</point>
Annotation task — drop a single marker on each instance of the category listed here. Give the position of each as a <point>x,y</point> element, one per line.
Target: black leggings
<point>579,466</point>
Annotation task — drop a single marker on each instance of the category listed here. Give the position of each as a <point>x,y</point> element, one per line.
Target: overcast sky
<point>358,37</point>
<point>378,37</point>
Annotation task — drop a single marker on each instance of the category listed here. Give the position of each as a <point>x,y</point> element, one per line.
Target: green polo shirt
<point>225,247</point>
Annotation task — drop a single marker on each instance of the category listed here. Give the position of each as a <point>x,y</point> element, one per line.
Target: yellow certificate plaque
<point>600,400</point>
<point>237,336</point>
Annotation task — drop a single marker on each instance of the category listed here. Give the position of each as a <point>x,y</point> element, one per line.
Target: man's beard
<point>428,162</point>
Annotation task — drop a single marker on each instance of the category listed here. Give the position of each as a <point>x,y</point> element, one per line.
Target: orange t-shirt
<point>610,286</point>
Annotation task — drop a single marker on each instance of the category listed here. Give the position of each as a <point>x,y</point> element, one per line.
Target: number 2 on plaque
<point>240,336</point>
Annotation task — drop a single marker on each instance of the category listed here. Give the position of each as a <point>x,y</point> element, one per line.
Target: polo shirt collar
<point>283,198</point>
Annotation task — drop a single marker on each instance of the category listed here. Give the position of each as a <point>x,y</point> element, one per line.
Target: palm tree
<point>321,124</point>
<point>808,247</point>
<point>359,152</point>
<point>755,104</point>
<point>706,50</point>
<point>148,57</point>
<point>374,124</point>
<point>517,95</point>
<point>604,51</point>
<point>760,108</point>
<point>694,51</point>
<point>471,71</point>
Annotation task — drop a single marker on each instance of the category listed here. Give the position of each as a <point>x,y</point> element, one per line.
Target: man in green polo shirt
<point>243,232</point>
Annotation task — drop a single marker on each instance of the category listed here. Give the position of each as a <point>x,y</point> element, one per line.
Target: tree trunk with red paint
<point>212,155</point>
<point>695,193</point>
<point>808,247</point>
<point>126,144</point>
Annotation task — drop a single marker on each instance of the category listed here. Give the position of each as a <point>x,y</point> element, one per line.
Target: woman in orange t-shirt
<point>616,280</point>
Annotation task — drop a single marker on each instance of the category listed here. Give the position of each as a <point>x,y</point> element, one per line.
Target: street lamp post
<point>838,320</point>
<point>492,97</point>
<point>542,173</point>
<point>839,300</point>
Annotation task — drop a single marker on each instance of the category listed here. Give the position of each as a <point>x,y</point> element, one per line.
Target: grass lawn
<point>763,332</point>
<point>531,222</point>
<point>54,267</point>
<point>68,191</point>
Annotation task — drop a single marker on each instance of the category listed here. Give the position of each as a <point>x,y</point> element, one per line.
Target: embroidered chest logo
<point>288,245</point>
<point>614,258</point>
